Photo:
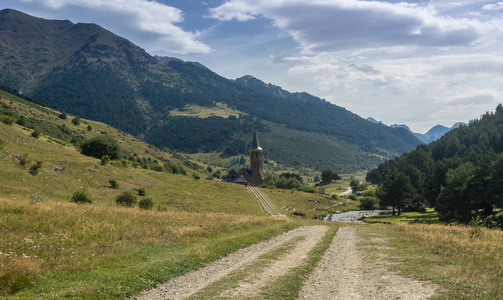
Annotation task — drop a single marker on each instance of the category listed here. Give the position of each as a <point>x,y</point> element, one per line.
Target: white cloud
<point>493,6</point>
<point>149,23</point>
<point>328,26</point>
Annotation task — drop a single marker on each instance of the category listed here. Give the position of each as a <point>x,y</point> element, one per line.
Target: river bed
<point>353,216</point>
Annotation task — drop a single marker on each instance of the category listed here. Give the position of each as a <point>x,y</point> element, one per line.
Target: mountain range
<point>90,72</point>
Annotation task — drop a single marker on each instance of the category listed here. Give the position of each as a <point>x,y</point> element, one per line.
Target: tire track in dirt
<point>343,273</point>
<point>185,286</point>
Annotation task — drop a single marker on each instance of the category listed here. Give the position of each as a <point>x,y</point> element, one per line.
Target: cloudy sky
<point>419,63</point>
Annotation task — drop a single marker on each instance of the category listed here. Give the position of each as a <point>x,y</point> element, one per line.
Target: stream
<point>353,216</point>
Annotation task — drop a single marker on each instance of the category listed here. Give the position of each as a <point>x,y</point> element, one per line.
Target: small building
<point>253,176</point>
<point>234,177</point>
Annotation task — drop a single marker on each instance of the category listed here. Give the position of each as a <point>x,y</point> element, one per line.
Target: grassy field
<point>218,110</point>
<point>467,262</point>
<point>51,248</point>
<point>306,205</point>
<point>428,217</point>
<point>63,250</point>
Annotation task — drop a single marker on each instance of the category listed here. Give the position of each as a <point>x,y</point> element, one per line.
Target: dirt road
<point>343,272</point>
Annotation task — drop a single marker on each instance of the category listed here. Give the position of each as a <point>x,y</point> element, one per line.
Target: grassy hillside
<point>306,153</point>
<point>52,248</point>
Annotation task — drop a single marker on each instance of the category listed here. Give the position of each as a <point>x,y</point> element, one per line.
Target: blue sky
<point>419,63</point>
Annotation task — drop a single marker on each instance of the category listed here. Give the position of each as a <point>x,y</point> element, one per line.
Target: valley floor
<point>259,271</point>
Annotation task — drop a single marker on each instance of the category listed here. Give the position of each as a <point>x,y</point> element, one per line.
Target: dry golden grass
<point>468,261</point>
<point>50,237</point>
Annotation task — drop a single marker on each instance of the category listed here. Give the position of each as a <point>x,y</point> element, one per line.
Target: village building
<point>253,176</point>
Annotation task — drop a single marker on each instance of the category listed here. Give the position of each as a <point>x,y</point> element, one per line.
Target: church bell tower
<point>256,161</point>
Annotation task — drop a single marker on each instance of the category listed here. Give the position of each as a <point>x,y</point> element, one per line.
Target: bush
<point>156,168</point>
<point>34,169</point>
<point>126,199</point>
<point>146,203</point>
<point>99,146</point>
<point>142,192</point>
<point>76,121</point>
<point>196,176</point>
<point>21,121</point>
<point>114,184</point>
<point>7,120</point>
<point>24,160</point>
<point>81,197</point>
<point>352,197</point>
<point>63,116</point>
<point>89,128</point>
<point>105,159</point>
<point>36,134</point>
<point>369,203</point>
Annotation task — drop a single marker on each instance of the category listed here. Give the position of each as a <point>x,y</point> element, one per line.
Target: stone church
<point>253,176</point>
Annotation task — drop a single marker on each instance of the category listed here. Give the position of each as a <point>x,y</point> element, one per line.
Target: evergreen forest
<point>460,175</point>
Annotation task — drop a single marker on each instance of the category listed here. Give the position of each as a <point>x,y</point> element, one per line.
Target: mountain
<point>88,71</point>
<point>374,121</point>
<point>431,135</point>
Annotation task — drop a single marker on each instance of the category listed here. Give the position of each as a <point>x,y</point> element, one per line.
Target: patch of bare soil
<point>189,284</point>
<point>344,273</point>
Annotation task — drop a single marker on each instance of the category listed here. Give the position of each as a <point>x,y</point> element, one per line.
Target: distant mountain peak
<point>168,59</point>
<point>374,121</point>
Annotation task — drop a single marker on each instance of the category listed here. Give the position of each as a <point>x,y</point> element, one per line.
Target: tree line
<point>460,175</point>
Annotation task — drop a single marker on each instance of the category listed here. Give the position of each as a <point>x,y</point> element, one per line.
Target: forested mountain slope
<point>461,174</point>
<point>88,71</point>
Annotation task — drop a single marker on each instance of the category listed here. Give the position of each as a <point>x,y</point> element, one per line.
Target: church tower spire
<point>256,161</point>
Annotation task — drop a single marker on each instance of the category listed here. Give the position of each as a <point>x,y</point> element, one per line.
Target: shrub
<point>369,203</point>
<point>125,163</point>
<point>156,168</point>
<point>63,116</point>
<point>99,146</point>
<point>21,121</point>
<point>36,134</point>
<point>196,176</point>
<point>7,120</point>
<point>114,184</point>
<point>146,203</point>
<point>89,128</point>
<point>126,199</point>
<point>142,192</point>
<point>76,121</point>
<point>352,197</point>
<point>81,197</point>
<point>34,169</point>
<point>24,160</point>
<point>77,140</point>
<point>105,159</point>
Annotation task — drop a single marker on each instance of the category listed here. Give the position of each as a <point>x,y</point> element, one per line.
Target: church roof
<point>255,144</point>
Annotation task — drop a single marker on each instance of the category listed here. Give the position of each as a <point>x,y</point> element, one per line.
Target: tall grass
<point>40,240</point>
<point>467,260</point>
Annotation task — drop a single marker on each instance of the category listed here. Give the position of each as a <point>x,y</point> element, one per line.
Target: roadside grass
<point>299,204</point>
<point>63,250</point>
<point>467,262</point>
<point>428,217</point>
<point>232,281</point>
<point>289,285</point>
<point>307,205</point>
